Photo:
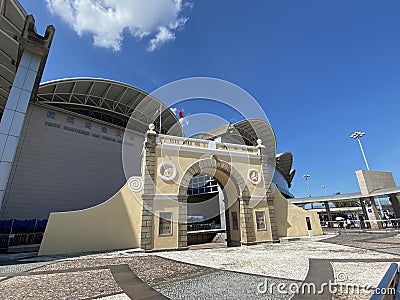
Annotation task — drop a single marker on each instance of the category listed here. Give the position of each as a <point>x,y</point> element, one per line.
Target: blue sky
<point>320,69</point>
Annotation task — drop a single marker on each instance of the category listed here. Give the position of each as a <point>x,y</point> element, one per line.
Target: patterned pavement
<point>266,271</point>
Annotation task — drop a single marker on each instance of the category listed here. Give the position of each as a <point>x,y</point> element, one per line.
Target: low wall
<point>114,224</point>
<point>291,220</point>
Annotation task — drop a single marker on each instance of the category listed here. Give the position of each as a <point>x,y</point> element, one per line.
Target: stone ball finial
<point>151,128</point>
<point>259,142</point>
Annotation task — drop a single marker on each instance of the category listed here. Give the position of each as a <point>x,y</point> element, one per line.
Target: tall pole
<point>357,135</point>
<point>306,176</point>
<point>363,154</point>
<point>160,118</point>
<point>324,187</point>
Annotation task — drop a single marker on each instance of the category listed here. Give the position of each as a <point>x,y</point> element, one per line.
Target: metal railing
<point>21,233</point>
<point>388,288</point>
<point>365,224</point>
<point>199,226</point>
<point>19,239</point>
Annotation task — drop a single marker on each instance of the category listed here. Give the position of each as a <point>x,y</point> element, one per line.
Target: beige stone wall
<point>370,181</point>
<point>187,158</point>
<point>262,235</point>
<point>114,224</point>
<point>235,234</point>
<point>291,220</point>
<point>117,223</point>
<point>165,241</point>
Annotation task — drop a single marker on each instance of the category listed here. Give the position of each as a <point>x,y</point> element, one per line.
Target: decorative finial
<point>151,128</point>
<point>259,142</point>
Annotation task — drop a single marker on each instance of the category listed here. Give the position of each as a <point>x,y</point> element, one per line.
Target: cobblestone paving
<point>227,285</point>
<point>62,280</point>
<point>395,251</point>
<point>285,260</point>
<point>71,285</point>
<point>352,296</point>
<point>19,268</point>
<point>383,242</point>
<point>115,297</point>
<point>355,272</point>
<point>215,273</point>
<point>152,269</point>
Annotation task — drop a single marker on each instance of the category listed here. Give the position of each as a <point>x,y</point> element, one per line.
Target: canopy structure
<point>284,163</point>
<point>385,192</point>
<point>244,132</point>
<point>110,101</point>
<point>248,132</point>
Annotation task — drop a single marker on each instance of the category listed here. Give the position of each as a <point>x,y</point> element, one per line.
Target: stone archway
<point>225,174</point>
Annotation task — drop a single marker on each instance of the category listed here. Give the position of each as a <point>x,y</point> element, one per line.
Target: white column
<point>221,208</point>
<point>13,117</point>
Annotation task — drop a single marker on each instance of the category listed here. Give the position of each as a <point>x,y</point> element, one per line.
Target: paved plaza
<point>316,268</point>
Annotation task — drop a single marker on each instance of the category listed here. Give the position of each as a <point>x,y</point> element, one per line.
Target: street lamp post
<point>306,176</point>
<point>357,135</point>
<point>324,187</point>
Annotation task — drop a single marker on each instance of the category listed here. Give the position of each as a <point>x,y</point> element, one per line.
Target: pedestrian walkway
<point>210,272</point>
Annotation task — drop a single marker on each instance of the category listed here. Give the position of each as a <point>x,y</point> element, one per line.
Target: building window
<point>235,222</point>
<point>260,220</point>
<point>202,184</point>
<point>165,223</point>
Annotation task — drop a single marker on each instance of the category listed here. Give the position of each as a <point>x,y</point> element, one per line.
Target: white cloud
<point>189,5</point>
<point>164,34</point>
<point>107,20</point>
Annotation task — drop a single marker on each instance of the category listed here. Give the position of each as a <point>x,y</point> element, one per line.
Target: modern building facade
<point>72,137</point>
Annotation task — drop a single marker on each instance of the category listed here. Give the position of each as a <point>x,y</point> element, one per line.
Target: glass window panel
<point>165,223</point>
<point>260,220</point>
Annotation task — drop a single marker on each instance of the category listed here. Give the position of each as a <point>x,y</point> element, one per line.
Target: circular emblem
<point>254,176</point>
<point>167,171</point>
<point>135,184</point>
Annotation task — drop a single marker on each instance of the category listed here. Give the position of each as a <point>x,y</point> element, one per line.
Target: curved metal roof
<point>284,162</point>
<point>245,132</point>
<point>253,129</point>
<point>110,101</point>
<point>12,22</point>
